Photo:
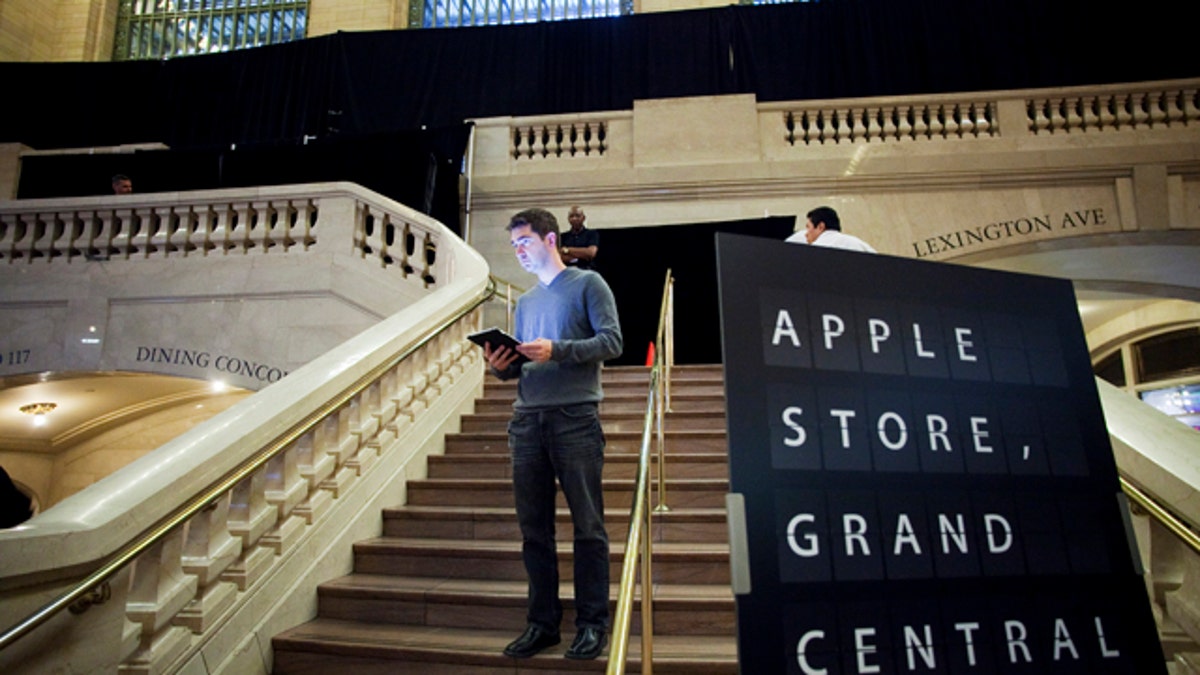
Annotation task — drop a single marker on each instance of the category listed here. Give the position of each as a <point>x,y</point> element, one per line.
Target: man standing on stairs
<point>567,325</point>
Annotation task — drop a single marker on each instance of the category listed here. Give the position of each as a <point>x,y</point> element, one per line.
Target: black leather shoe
<point>533,640</point>
<point>588,644</point>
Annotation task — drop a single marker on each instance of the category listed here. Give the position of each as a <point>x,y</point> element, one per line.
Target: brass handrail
<point>511,291</point>
<point>197,503</point>
<point>638,543</point>
<point>1167,519</point>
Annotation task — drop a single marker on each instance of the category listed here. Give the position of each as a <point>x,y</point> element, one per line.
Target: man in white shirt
<point>824,228</point>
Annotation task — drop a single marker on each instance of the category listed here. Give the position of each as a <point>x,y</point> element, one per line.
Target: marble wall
<point>990,181</point>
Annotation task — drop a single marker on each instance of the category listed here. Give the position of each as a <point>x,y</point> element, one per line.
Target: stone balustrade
<point>898,122</point>
<point>579,136</point>
<point>601,138</point>
<point>1158,456</point>
<point>218,222</point>
<point>1089,111</point>
<point>279,479</point>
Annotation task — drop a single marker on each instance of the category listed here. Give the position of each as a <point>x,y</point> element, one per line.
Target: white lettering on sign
<point>921,653</point>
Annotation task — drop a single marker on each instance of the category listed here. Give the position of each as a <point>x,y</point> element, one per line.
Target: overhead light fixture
<point>38,410</point>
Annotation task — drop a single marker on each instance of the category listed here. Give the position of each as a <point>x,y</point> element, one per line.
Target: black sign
<point>921,476</point>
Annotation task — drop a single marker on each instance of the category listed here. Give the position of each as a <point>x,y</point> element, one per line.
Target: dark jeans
<point>568,444</point>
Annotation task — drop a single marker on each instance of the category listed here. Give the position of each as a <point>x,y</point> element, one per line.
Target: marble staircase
<point>442,589</point>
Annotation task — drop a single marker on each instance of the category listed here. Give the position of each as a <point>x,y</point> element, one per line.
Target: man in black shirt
<point>579,245</point>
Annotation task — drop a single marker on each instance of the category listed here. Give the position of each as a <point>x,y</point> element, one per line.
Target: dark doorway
<point>635,260</point>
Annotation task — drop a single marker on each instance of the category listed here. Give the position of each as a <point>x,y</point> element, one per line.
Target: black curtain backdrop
<point>635,261</point>
<point>379,82</point>
<point>417,168</point>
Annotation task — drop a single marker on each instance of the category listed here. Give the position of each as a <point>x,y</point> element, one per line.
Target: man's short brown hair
<point>541,221</point>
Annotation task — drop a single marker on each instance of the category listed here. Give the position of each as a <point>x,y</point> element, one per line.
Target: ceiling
<point>86,404</point>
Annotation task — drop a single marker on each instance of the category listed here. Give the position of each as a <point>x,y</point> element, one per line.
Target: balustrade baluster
<point>1172,108</point>
<point>1107,113</point>
<point>402,397</point>
<point>315,466</point>
<point>428,259</point>
<point>243,225</point>
<point>1123,105</point>
<point>841,126</point>
<point>1036,117</point>
<point>363,223</point>
<point>590,139</point>
<point>387,235</point>
<point>158,590</point>
<point>175,228</point>
<point>94,228</point>
<point>889,124</point>
<point>61,235</point>
<point>285,490</point>
<point>953,114</point>
<point>387,399</point>
<point>124,223</point>
<point>11,232</point>
<point>540,139</point>
<point>77,234</point>
<point>1141,110</point>
<point>407,245</point>
<point>571,139</point>
<point>858,130</point>
<point>1054,115</point>
<point>250,517</point>
<point>208,550</point>
<point>904,125</point>
<point>1155,108</point>
<point>368,431</point>
<point>920,123</point>
<point>1071,119</point>
<point>874,128</point>
<point>984,118</point>
<point>43,231</point>
<point>1090,113</point>
<point>515,147</point>
<point>1191,105</point>
<point>336,441</point>
<point>215,226</point>
<point>826,133</point>
<point>456,360</point>
<point>189,228</point>
<point>145,224</point>
<point>268,223</point>
<point>306,221</point>
<point>936,128</point>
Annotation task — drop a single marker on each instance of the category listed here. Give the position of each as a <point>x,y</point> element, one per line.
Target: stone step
<point>494,388</point>
<point>674,563</point>
<point>677,525</point>
<point>443,590</point>
<point>613,422</point>
<point>627,403</point>
<point>681,493</point>
<point>497,465</point>
<point>685,373</point>
<point>325,646</point>
<point>698,610</point>
<point>627,442</point>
